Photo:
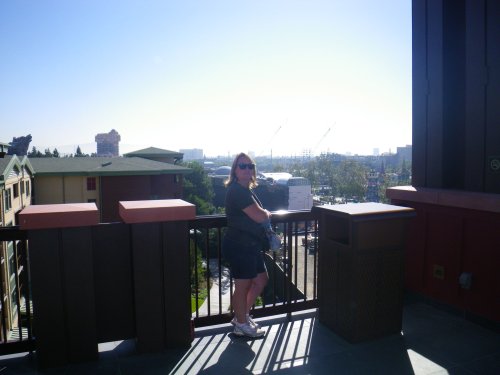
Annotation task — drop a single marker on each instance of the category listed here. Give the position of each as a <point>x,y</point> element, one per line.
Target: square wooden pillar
<point>160,251</point>
<point>61,264</point>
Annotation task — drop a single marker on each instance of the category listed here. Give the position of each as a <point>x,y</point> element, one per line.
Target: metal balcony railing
<point>292,270</point>
<point>292,285</point>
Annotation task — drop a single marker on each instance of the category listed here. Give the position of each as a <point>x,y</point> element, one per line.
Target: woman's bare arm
<point>257,213</point>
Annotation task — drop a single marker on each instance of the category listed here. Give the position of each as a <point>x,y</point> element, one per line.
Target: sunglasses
<point>250,166</point>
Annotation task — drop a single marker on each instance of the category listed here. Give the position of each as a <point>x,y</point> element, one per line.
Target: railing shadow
<point>302,345</point>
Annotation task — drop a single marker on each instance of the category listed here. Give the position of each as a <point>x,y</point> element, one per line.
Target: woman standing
<point>244,243</point>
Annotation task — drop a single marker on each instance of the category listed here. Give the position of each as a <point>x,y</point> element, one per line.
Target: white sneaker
<point>249,320</point>
<point>246,329</point>
<point>253,322</point>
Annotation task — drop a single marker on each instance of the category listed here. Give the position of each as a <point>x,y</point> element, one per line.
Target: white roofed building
<point>297,190</point>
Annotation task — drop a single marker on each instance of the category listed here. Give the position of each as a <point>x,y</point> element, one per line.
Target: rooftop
<point>432,342</point>
<point>103,166</point>
<point>154,152</point>
<point>10,162</point>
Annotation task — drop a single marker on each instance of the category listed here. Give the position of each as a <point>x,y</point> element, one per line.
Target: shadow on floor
<point>432,342</point>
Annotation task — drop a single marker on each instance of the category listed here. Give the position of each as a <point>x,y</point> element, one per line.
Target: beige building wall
<point>10,214</point>
<point>18,187</point>
<point>73,189</point>
<point>48,189</point>
<point>16,184</point>
<point>64,189</point>
<point>25,188</point>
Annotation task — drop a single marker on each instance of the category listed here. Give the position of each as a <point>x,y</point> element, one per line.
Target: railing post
<point>160,248</point>
<point>62,281</point>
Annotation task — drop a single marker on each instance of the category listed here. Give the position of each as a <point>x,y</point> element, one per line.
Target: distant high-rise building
<point>376,151</point>
<point>404,153</point>
<point>192,153</point>
<point>107,143</point>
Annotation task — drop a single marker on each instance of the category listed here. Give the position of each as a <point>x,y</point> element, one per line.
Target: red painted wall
<point>131,188</point>
<point>446,241</point>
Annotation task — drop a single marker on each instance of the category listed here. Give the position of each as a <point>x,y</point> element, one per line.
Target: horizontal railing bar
<point>13,233</point>
<point>13,347</point>
<point>213,221</point>
<point>281,308</point>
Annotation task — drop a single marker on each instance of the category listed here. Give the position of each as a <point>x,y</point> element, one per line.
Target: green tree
<point>384,183</point>
<point>298,169</point>
<point>404,176</point>
<point>198,189</point>
<point>79,153</point>
<point>349,180</point>
<point>55,153</point>
<point>312,172</point>
<point>198,275</point>
<point>48,153</point>
<point>278,168</point>
<point>325,170</point>
<point>34,153</point>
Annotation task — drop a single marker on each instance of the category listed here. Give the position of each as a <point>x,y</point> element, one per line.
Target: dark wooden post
<point>160,248</point>
<point>62,281</point>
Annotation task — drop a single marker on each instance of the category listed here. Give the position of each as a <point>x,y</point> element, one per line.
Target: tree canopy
<point>198,189</point>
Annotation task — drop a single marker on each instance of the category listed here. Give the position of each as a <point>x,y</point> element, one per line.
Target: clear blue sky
<point>224,76</point>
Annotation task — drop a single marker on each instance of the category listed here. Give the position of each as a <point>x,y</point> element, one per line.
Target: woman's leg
<point>242,288</point>
<point>256,287</point>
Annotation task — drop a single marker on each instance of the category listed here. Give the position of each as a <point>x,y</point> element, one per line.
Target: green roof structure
<point>103,166</point>
<point>155,152</point>
<point>10,162</point>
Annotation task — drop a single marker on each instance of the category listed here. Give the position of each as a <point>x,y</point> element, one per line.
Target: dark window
<point>16,190</point>
<point>7,200</point>
<point>91,184</point>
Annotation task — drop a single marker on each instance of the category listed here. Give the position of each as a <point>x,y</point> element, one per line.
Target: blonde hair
<point>232,176</point>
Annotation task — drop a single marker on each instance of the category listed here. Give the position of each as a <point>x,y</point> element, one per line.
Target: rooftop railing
<point>125,281</point>
<point>292,270</point>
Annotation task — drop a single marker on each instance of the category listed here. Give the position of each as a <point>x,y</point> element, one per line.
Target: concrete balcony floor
<point>432,342</point>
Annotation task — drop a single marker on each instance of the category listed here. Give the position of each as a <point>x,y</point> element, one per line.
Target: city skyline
<point>91,149</point>
<point>280,77</point>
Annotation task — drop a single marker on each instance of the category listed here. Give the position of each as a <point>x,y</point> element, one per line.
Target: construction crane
<point>270,141</point>
<point>321,140</point>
